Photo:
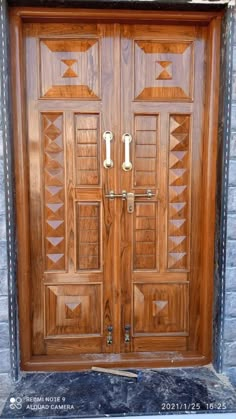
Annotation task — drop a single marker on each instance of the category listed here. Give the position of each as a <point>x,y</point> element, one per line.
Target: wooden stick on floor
<point>115,372</point>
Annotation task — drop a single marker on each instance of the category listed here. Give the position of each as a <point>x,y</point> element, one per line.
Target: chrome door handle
<point>127,165</point>
<point>108,137</point>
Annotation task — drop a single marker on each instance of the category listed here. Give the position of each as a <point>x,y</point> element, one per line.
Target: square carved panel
<point>163,70</point>
<point>69,68</point>
<point>160,309</point>
<point>73,309</point>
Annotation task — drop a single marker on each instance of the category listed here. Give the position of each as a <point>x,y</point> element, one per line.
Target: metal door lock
<point>109,336</point>
<point>130,202</point>
<point>127,333</point>
<point>130,197</point>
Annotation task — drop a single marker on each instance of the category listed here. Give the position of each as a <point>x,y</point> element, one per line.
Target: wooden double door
<point>117,280</point>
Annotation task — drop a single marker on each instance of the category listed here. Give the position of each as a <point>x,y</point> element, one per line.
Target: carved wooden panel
<point>87,149</point>
<point>179,192</point>
<point>54,191</point>
<point>159,69</point>
<point>160,308</point>
<point>145,240</point>
<point>69,68</point>
<point>145,150</point>
<point>88,235</point>
<point>73,309</point>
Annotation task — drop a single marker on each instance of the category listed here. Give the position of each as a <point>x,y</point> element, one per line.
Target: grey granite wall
<point>4,318</point>
<point>229,360</point>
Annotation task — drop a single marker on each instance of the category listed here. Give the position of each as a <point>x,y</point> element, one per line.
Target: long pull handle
<point>127,165</point>
<point>108,137</point>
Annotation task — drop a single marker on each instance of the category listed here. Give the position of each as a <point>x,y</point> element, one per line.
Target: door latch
<point>109,336</point>
<point>127,333</point>
<point>130,202</point>
<point>130,197</point>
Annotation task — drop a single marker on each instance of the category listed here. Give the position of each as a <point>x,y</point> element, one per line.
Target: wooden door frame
<point>17,18</point>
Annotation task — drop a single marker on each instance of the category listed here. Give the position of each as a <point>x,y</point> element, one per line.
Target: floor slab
<point>88,394</point>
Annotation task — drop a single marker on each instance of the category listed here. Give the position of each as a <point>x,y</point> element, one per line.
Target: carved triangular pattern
<point>55,223</point>
<point>178,191</point>
<point>55,257</point>
<point>55,240</point>
<point>160,305</point>
<point>54,207</point>
<point>69,72</point>
<point>54,190</point>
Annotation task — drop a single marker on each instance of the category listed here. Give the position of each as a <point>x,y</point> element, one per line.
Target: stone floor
<point>5,388</point>
<point>88,394</point>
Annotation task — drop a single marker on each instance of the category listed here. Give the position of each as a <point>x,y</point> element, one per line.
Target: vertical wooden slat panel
<point>88,235</point>
<point>87,150</point>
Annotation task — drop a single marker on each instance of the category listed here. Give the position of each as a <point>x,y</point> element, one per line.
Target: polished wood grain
<point>145,236</point>
<point>88,135</point>
<point>22,189</point>
<point>60,14</point>
<point>88,226</point>
<point>209,184</point>
<point>93,265</point>
<point>72,226</point>
<point>162,359</point>
<point>145,150</point>
<point>160,309</point>
<point>158,70</point>
<point>69,68</point>
<point>170,143</point>
<point>74,310</point>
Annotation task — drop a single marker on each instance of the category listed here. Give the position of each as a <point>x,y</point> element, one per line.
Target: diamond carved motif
<point>178,192</point>
<point>73,310</point>
<point>160,308</point>
<point>54,203</point>
<point>69,68</point>
<point>164,70</point>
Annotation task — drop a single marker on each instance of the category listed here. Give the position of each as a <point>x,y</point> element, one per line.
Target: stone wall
<point>229,360</point>
<point>229,355</point>
<point>4,320</point>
